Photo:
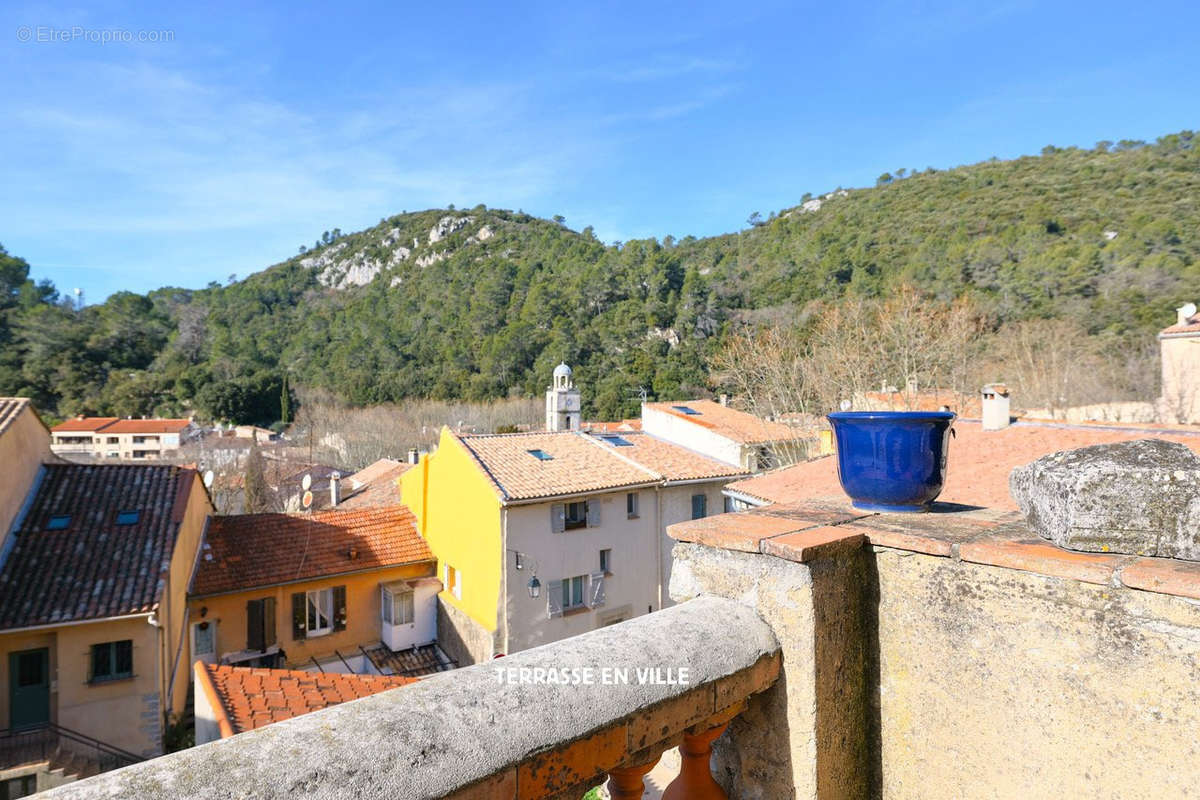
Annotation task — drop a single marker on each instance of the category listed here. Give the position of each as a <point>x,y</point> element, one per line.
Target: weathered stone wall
<point>807,736</point>
<point>995,682</point>
<point>916,676</point>
<point>460,637</point>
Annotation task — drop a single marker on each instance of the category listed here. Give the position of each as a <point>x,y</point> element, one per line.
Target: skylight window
<point>540,455</point>
<point>128,517</point>
<point>691,412</point>
<point>617,441</point>
<point>58,522</point>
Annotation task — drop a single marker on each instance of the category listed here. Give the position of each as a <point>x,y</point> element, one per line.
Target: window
<point>540,455</point>
<point>452,580</point>
<point>576,515</point>
<point>204,639</point>
<point>397,607</point>
<point>319,611</point>
<point>58,522</point>
<point>699,506</point>
<point>606,561</point>
<point>112,661</point>
<point>260,624</point>
<point>617,441</point>
<point>128,517</point>
<point>572,592</point>
<point>631,505</point>
<point>766,458</point>
<point>114,440</point>
<point>691,412</point>
<point>729,506</point>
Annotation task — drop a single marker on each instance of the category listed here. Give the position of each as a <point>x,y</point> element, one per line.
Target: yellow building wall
<point>24,447</point>
<point>176,672</point>
<point>123,713</point>
<point>362,615</point>
<point>458,514</point>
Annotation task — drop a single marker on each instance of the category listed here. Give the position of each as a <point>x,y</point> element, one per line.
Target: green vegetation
<point>476,316</point>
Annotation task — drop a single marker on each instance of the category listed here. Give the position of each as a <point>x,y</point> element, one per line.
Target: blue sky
<point>133,165</point>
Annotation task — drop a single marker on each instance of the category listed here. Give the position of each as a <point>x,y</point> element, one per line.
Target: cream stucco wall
<point>1181,378</point>
<point>24,447</point>
<point>695,437</point>
<point>631,590</point>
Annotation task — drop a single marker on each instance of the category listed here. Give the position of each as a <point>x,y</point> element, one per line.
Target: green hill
<point>482,303</point>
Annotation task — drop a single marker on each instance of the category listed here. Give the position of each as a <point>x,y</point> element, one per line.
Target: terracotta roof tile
<point>374,486</point>
<point>575,464</point>
<point>83,424</point>
<point>731,423</point>
<point>245,551</point>
<point>578,462</point>
<point>93,568</point>
<point>151,426</point>
<point>978,466</point>
<point>671,461</point>
<point>250,697</point>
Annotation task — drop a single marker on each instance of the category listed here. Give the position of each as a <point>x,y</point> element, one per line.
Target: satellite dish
<point>307,499</point>
<point>846,405</point>
<point>1188,311</point>
<point>208,479</point>
<point>306,482</point>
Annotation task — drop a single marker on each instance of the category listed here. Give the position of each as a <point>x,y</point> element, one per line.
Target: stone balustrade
<point>506,729</point>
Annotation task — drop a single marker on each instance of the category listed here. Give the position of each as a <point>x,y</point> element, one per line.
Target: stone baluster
<point>625,783</point>
<point>695,781</point>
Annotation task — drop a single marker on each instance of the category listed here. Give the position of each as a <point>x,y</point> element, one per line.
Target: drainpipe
<point>658,543</point>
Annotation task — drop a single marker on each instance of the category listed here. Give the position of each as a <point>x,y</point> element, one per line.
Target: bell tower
<point>562,402</point>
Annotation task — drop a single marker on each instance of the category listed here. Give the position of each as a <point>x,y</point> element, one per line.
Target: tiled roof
<point>977,468</point>
<point>83,424</point>
<point>1189,325</point>
<point>249,697</point>
<point>10,409</point>
<point>670,461</point>
<point>729,422</point>
<point>374,485</point>
<point>93,568</point>
<point>151,426</point>
<point>246,551</point>
<point>575,463</point>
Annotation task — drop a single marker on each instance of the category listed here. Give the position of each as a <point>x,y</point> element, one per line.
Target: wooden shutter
<point>299,629</point>
<point>597,589</point>
<point>699,506</point>
<point>593,513</point>
<point>269,634</point>
<point>554,599</point>
<point>339,608</point>
<point>254,625</point>
<point>558,518</point>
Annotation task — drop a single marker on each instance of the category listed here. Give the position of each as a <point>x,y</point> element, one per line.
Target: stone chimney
<point>995,407</point>
<point>335,492</point>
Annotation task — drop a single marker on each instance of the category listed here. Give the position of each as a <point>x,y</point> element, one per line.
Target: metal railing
<point>49,742</point>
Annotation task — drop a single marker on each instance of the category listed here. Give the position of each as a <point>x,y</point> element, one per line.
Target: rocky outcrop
<point>1139,498</point>
<point>446,226</point>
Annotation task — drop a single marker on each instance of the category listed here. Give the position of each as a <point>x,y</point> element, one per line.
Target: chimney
<point>335,495</point>
<point>413,456</point>
<point>724,399</point>
<point>995,406</point>
<point>1184,313</point>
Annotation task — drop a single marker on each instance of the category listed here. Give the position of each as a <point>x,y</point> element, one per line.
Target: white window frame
<point>313,600</point>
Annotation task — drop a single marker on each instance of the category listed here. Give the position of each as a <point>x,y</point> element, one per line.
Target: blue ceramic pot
<point>892,460</point>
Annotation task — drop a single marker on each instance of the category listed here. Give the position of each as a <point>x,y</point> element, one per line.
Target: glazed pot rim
<point>891,415</point>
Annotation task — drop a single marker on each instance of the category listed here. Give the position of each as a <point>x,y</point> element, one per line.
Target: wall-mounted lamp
<point>535,587</point>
